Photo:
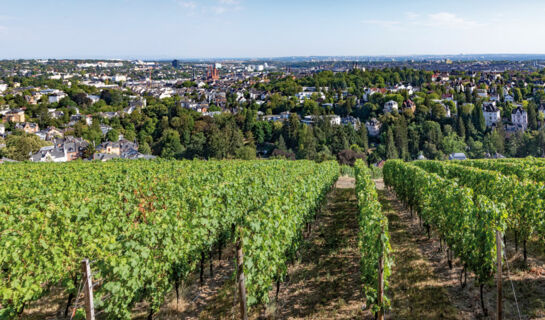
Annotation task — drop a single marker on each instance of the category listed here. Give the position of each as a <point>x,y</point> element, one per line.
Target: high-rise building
<point>175,63</point>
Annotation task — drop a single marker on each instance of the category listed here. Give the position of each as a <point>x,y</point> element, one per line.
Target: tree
<point>476,149</point>
<point>310,107</point>
<point>453,143</point>
<point>460,126</point>
<point>169,145</point>
<point>517,95</point>
<point>494,142</point>
<point>82,100</point>
<point>113,135</point>
<point>391,150</point>
<point>400,136</point>
<point>532,116</point>
<point>112,97</point>
<point>129,135</point>
<point>349,157</point>
<point>432,132</point>
<point>281,144</point>
<point>362,132</point>
<point>306,147</point>
<point>291,128</point>
<point>144,148</point>
<point>246,153</point>
<point>21,147</point>
<point>478,119</point>
<point>438,111</point>
<point>89,151</point>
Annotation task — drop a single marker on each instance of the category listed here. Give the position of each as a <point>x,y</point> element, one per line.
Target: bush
<point>348,157</point>
<point>281,154</point>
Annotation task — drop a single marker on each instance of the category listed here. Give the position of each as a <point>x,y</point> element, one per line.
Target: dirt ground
<point>415,291</point>
<point>431,272</point>
<point>325,283</point>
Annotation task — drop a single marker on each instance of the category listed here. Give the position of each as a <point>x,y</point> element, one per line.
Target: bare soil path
<point>325,282</point>
<point>416,293</point>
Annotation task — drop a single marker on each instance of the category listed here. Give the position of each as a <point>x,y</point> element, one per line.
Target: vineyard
<point>146,225</point>
<point>148,228</point>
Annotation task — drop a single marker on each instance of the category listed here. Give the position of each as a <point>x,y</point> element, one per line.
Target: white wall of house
<point>390,106</point>
<point>520,118</point>
<point>491,118</point>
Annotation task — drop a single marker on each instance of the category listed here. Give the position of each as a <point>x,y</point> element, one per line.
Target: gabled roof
<point>518,109</point>
<point>490,107</point>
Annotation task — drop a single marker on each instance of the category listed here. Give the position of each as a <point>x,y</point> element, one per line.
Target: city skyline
<point>137,29</point>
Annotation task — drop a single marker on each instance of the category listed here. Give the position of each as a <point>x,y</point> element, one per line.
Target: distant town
<point>312,108</point>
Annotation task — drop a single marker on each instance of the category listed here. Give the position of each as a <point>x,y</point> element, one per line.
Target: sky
<point>164,29</point>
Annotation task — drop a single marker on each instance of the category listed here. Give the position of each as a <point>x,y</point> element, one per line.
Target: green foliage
<point>374,239</point>
<point>518,183</point>
<point>21,147</point>
<point>347,171</point>
<point>145,224</point>
<point>113,135</point>
<point>465,220</point>
<point>453,143</point>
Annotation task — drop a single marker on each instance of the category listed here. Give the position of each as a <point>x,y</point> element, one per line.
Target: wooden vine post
<point>380,289</point>
<point>240,278</point>
<point>88,290</point>
<point>499,311</point>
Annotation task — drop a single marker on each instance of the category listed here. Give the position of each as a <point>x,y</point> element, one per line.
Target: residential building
<point>390,106</point>
<point>117,148</point>
<point>27,127</point>
<point>49,154</point>
<point>55,98</point>
<point>15,115</point>
<point>519,118</point>
<point>373,127</point>
<point>334,120</point>
<point>482,93</point>
<point>351,121</point>
<point>491,114</point>
<point>409,104</point>
<point>457,156</point>
<point>74,148</point>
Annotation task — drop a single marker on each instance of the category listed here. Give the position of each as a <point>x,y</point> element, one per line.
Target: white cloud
<point>230,2</point>
<point>449,20</point>
<point>225,6</point>
<point>216,7</point>
<point>383,23</point>
<point>188,4</point>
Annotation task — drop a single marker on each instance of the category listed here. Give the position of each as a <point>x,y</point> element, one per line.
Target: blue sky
<point>266,28</point>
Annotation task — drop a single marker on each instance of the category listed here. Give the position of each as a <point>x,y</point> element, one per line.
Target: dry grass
<point>324,283</point>
<point>465,302</point>
<point>415,291</point>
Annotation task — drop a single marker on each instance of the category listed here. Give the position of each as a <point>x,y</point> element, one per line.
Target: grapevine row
<point>530,169</point>
<point>374,240</point>
<point>522,199</point>
<point>466,221</point>
<point>147,224</point>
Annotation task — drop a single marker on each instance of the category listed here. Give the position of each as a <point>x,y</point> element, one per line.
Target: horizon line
<point>158,58</point>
